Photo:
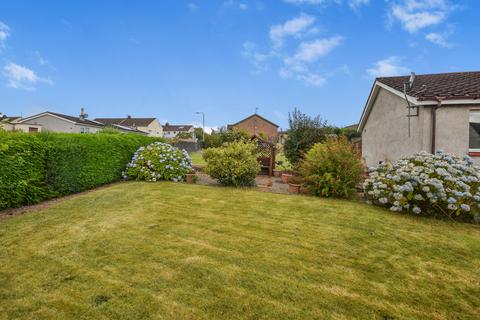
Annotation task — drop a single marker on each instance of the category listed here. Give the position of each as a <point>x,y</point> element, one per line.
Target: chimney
<point>83,115</point>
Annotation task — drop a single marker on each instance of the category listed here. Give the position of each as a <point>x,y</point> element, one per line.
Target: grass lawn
<point>197,158</point>
<point>177,251</point>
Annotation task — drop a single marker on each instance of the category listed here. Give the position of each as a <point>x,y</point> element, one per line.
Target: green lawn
<point>197,158</point>
<point>177,251</point>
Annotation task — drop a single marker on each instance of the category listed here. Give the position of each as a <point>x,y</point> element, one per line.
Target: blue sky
<point>171,58</point>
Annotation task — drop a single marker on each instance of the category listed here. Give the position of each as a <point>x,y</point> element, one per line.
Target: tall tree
<point>304,131</point>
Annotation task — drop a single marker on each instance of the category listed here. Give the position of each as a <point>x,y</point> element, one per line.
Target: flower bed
<point>437,185</point>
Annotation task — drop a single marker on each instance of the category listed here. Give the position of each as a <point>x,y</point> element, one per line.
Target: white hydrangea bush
<point>158,161</point>
<point>438,185</point>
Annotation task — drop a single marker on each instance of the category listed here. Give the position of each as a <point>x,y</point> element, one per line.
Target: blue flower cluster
<point>440,184</point>
<point>158,161</point>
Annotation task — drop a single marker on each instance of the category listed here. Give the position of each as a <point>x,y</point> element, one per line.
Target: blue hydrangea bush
<point>436,185</point>
<point>159,161</point>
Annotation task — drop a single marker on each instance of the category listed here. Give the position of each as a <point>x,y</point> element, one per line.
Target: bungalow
<point>404,115</point>
<point>150,126</point>
<point>170,131</point>
<point>56,122</point>
<point>257,125</point>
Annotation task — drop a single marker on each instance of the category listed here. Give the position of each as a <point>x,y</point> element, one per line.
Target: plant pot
<point>285,177</point>
<point>305,190</point>
<point>277,173</point>
<point>191,178</point>
<point>263,188</point>
<point>293,188</point>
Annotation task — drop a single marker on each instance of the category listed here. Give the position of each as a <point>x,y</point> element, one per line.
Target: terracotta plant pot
<point>263,188</point>
<point>191,178</point>
<point>285,177</point>
<point>277,173</point>
<point>305,190</point>
<point>293,188</point>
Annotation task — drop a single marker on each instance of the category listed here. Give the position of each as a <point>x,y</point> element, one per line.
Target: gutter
<point>434,122</point>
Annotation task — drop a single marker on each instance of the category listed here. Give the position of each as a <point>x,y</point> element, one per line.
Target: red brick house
<point>257,125</point>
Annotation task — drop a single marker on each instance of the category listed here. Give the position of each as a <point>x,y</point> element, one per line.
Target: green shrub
<point>159,161</point>
<point>332,168</point>
<point>233,164</point>
<point>35,167</point>
<point>217,139</point>
<point>22,169</point>
<point>304,131</point>
<point>78,162</point>
<point>440,185</point>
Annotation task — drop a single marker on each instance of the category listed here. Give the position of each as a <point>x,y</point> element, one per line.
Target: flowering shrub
<point>332,168</point>
<point>233,164</point>
<point>439,184</point>
<point>159,161</point>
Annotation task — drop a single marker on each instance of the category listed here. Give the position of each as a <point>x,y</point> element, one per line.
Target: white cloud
<point>415,15</point>
<point>20,77</point>
<point>312,50</point>
<point>390,66</point>
<point>440,39</point>
<point>4,33</point>
<point>291,28</point>
<point>355,4</point>
<point>243,6</point>
<point>258,59</point>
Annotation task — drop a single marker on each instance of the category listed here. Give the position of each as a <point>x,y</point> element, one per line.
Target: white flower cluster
<point>158,161</point>
<point>424,183</point>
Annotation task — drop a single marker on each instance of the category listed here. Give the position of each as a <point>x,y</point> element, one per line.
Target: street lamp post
<point>203,124</point>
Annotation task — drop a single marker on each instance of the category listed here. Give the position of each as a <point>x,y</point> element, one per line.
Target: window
<point>84,130</point>
<point>474,139</point>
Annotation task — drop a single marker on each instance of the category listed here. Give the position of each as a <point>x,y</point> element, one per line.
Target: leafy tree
<point>184,135</point>
<point>304,131</point>
<point>199,134</point>
<point>217,139</point>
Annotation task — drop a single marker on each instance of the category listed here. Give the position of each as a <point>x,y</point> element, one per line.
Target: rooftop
<point>450,86</point>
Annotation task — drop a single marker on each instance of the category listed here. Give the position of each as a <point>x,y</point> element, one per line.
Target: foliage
<point>35,167</point>
<point>199,134</point>
<point>304,131</point>
<point>159,161</point>
<point>348,132</point>
<point>281,162</point>
<point>22,169</point>
<point>217,139</point>
<point>332,168</point>
<point>437,185</point>
<point>234,164</point>
<point>184,135</point>
<point>110,130</point>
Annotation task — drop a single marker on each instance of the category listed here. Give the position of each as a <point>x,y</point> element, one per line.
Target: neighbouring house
<point>171,131</point>
<point>404,115</point>
<point>257,125</point>
<point>56,122</point>
<point>12,124</point>
<point>150,126</point>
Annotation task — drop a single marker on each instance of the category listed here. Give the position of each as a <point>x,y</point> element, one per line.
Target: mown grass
<point>176,251</point>
<point>197,158</point>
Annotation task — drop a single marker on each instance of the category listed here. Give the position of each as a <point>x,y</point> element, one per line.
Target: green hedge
<point>35,167</point>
